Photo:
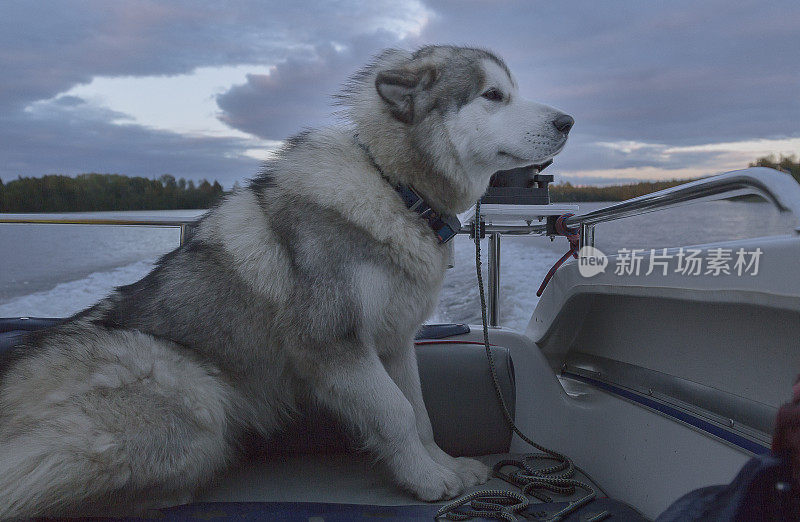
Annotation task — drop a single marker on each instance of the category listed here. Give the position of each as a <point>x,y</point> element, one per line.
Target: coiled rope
<point>556,478</point>
<point>491,503</point>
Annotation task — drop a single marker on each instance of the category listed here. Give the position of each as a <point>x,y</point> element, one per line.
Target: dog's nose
<point>564,123</point>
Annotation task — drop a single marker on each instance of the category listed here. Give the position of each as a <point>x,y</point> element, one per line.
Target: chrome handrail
<point>183,223</point>
<point>778,188</point>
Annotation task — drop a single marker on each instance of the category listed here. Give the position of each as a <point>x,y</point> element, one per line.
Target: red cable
<point>572,236</point>
<point>448,341</point>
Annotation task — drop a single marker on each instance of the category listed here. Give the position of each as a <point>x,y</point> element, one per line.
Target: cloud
<point>655,87</point>
<point>761,146</point>
<point>180,103</point>
<point>50,57</point>
<point>640,80</point>
<point>603,162</point>
<point>74,137</point>
<point>678,73</point>
<point>297,93</point>
<point>47,49</point>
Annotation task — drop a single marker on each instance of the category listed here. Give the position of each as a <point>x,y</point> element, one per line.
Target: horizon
<point>603,182</point>
<point>658,92</point>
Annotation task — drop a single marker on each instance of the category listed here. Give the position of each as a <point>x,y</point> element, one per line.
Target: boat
<point>652,384</point>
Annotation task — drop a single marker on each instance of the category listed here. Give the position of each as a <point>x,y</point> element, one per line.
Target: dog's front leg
<point>363,394</point>
<point>402,367</point>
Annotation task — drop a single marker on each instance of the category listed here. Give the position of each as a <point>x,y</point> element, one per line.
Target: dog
<point>304,287</point>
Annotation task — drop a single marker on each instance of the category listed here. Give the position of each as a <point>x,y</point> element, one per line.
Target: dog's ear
<point>399,87</point>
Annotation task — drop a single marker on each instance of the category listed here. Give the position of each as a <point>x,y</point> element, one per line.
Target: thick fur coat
<point>304,288</point>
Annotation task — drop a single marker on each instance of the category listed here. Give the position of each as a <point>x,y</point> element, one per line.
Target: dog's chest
<point>395,302</point>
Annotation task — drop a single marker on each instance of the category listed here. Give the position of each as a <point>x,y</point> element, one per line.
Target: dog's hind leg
<point>402,367</point>
<point>108,434</point>
<point>365,397</point>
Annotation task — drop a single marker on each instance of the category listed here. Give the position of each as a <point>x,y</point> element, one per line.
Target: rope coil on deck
<point>506,505</point>
<point>491,503</point>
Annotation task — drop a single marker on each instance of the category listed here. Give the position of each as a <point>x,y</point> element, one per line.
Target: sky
<point>208,89</point>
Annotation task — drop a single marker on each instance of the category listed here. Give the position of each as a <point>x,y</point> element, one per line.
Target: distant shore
<point>96,192</point>
<point>568,193</point>
<point>99,192</point>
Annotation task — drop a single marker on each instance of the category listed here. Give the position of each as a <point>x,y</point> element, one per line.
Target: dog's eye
<point>493,95</point>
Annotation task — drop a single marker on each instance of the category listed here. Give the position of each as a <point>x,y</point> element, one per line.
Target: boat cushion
<point>461,399</point>
<point>12,329</point>
<point>459,395</point>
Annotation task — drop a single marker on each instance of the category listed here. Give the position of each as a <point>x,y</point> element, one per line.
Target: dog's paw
<point>471,471</point>
<point>440,484</point>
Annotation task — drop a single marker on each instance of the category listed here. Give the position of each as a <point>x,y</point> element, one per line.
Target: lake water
<point>57,270</point>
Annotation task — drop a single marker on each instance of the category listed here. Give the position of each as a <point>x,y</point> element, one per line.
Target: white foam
<point>523,265</point>
<point>70,297</point>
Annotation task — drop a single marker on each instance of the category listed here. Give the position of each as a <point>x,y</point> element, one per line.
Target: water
<point>57,270</point>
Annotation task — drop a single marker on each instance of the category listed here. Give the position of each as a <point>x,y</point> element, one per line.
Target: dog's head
<point>444,119</point>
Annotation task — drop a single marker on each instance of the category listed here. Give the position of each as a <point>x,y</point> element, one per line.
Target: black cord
<point>556,478</point>
<point>565,468</point>
<point>558,456</point>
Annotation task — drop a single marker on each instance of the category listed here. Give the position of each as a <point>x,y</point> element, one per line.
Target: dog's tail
<point>40,479</point>
<point>138,433</point>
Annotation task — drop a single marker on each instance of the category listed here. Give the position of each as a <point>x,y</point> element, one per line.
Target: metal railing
<point>776,187</point>
<point>182,223</point>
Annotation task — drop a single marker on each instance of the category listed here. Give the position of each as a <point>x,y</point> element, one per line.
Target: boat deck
<point>336,478</point>
<point>353,486</point>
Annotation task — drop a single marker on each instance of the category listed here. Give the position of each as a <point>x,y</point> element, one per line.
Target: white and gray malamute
<point>304,288</point>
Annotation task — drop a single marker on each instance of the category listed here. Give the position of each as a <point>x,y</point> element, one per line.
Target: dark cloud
<point>297,93</point>
<point>47,49</point>
<point>678,72</point>
<point>669,74</point>
<point>74,137</point>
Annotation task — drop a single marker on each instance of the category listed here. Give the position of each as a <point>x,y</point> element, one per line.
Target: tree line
<point>567,192</point>
<point>788,164</point>
<point>92,192</point>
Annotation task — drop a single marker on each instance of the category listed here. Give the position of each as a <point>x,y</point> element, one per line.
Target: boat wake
<point>522,267</point>
<point>71,297</point>
<point>523,264</point>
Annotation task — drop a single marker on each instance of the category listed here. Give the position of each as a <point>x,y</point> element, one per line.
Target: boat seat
<point>12,329</point>
<point>461,399</point>
<point>456,385</point>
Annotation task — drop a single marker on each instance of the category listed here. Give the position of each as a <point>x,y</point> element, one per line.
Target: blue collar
<point>445,226</point>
